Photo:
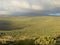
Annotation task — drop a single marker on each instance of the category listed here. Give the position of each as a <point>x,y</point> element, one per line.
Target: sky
<point>11,7</point>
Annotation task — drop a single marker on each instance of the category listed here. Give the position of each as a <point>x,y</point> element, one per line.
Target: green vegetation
<point>24,30</point>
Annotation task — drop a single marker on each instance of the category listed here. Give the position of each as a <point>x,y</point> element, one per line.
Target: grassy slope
<point>34,26</point>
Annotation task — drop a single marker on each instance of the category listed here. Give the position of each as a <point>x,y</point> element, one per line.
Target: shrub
<point>45,41</point>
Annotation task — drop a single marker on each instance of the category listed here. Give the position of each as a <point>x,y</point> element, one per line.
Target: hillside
<point>41,25</point>
<point>30,27</point>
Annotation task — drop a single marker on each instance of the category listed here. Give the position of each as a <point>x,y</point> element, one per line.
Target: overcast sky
<point>25,6</point>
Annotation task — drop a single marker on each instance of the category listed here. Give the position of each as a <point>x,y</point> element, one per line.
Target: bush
<point>42,40</point>
<point>45,41</point>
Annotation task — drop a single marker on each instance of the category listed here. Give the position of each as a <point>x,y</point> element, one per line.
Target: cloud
<point>4,12</point>
<point>11,6</point>
<point>19,4</point>
<point>37,7</point>
<point>56,2</point>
